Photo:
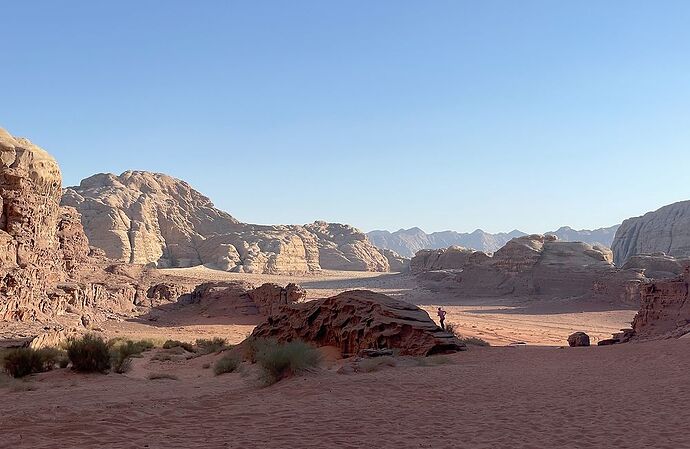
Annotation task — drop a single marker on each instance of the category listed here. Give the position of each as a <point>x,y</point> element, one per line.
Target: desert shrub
<point>229,363</point>
<point>282,360</point>
<point>171,344</point>
<point>254,346</point>
<point>210,346</point>
<point>376,364</point>
<point>89,354</point>
<point>121,353</point>
<point>470,341</point>
<point>24,361</point>
<point>162,376</point>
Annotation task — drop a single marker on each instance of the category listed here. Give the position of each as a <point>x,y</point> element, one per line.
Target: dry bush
<point>172,344</point>
<point>229,363</point>
<point>204,347</point>
<point>376,364</point>
<point>22,362</point>
<point>470,341</point>
<point>279,361</point>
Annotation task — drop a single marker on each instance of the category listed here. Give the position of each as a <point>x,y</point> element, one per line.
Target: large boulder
<point>359,320</point>
<point>142,217</point>
<point>578,339</point>
<point>666,230</point>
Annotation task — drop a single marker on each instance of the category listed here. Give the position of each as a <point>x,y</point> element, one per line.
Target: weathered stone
<point>578,339</point>
<point>358,320</point>
<point>666,230</point>
<point>142,217</point>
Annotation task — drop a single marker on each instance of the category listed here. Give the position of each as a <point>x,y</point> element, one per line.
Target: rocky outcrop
<point>531,266</point>
<point>142,217</point>
<point>397,263</point>
<point>230,299</point>
<point>578,339</point>
<point>30,188</point>
<point>666,230</point>
<point>359,320</point>
<point>664,310</point>
<point>408,242</point>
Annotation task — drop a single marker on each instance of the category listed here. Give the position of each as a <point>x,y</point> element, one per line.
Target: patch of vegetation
<point>162,376</point>
<point>376,364</point>
<point>22,362</point>
<point>470,341</point>
<point>172,344</point>
<point>89,354</point>
<point>214,345</point>
<point>279,361</point>
<point>229,363</point>
<point>122,352</point>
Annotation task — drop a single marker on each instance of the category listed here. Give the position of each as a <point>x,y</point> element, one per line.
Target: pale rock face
<point>530,266</point>
<point>142,217</point>
<point>666,230</point>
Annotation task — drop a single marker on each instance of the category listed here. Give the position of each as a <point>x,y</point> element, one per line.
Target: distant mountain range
<point>407,242</point>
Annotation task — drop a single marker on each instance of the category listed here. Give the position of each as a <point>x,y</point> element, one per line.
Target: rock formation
<point>578,339</point>
<point>408,242</point>
<point>359,320</point>
<point>142,217</point>
<point>664,310</point>
<point>531,266</point>
<point>397,263</point>
<point>666,230</point>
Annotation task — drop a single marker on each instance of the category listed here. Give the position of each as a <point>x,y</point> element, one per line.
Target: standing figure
<point>442,317</point>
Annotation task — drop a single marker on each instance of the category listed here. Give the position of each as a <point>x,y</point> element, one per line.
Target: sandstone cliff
<point>531,266</point>
<point>142,217</point>
<point>666,230</point>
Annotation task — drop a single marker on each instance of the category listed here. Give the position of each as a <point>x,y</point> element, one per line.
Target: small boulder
<point>578,339</point>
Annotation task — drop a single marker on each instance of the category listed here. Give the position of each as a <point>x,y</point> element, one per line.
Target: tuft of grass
<point>279,361</point>
<point>470,341</point>
<point>89,354</point>
<point>22,362</point>
<point>376,364</point>
<point>214,345</point>
<point>162,376</point>
<point>172,344</point>
<point>228,364</point>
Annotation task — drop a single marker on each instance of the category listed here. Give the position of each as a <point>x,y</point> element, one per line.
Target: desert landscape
<point>344,225</point>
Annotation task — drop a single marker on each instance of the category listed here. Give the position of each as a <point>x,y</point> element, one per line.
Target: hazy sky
<point>442,114</point>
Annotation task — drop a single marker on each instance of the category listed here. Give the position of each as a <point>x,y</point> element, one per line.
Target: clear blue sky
<point>442,114</point>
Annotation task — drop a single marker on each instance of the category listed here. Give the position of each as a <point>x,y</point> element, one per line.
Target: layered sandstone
<point>666,230</point>
<point>142,217</point>
<point>665,309</point>
<point>530,266</point>
<point>356,321</point>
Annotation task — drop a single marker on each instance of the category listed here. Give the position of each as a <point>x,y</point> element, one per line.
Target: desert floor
<point>627,396</point>
<point>500,322</point>
<point>536,396</point>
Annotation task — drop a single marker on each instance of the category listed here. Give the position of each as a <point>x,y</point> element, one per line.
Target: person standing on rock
<point>442,317</point>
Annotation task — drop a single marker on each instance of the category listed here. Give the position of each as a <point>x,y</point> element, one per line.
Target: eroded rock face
<point>358,320</point>
<point>665,309</point>
<point>397,263</point>
<point>238,298</point>
<point>142,217</point>
<point>30,189</point>
<point>531,266</point>
<point>666,230</point>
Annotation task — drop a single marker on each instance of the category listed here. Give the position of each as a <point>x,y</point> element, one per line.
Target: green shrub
<point>228,364</point>
<point>210,346</point>
<point>89,354</point>
<point>121,353</point>
<point>24,361</point>
<point>171,344</point>
<point>282,360</point>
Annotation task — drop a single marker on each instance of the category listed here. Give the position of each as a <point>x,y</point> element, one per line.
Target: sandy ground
<point>499,322</point>
<point>627,396</point>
